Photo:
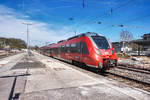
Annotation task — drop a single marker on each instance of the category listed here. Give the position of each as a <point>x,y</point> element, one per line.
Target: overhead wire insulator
<point>111,11</point>
<point>99,22</point>
<point>71,18</point>
<point>121,25</point>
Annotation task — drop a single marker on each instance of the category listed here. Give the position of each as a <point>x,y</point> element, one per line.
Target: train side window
<point>84,48</point>
<point>62,48</point>
<point>78,46</point>
<point>68,48</point>
<point>55,50</point>
<point>73,48</point>
<point>59,49</point>
<point>50,51</point>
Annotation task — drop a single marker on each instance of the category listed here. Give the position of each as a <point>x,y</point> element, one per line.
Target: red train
<point>89,48</point>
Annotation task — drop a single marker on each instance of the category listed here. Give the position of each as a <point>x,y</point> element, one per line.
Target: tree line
<point>12,43</point>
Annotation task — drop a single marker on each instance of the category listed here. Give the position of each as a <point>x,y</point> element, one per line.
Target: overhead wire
<point>93,20</point>
<point>119,8</point>
<point>130,20</point>
<point>111,10</point>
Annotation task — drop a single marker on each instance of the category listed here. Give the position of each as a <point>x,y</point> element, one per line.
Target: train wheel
<point>103,70</point>
<point>98,70</point>
<point>85,66</point>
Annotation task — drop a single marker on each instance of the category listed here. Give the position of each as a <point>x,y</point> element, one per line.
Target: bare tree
<point>126,36</point>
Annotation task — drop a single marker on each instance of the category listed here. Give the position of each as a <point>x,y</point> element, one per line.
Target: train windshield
<point>101,42</point>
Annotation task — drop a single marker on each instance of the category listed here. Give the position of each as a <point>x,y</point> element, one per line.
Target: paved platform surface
<point>43,78</point>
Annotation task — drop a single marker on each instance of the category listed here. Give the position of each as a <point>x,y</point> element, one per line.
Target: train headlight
<point>98,51</point>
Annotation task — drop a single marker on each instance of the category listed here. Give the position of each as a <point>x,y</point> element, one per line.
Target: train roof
<point>61,41</point>
<point>91,34</point>
<point>85,34</point>
<point>43,47</point>
<point>77,36</point>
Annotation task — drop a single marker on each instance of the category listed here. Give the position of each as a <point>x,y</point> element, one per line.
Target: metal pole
<point>83,3</point>
<point>27,41</point>
<point>123,46</point>
<point>75,32</point>
<point>28,49</point>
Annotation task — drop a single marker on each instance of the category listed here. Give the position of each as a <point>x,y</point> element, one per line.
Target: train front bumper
<point>109,63</point>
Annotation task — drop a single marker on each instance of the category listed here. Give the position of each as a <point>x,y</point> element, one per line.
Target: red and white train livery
<point>89,48</point>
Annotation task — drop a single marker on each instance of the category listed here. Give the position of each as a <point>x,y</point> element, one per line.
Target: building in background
<point>143,44</point>
<point>122,46</point>
<point>139,46</point>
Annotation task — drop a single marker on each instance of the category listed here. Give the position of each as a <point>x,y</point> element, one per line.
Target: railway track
<point>7,55</point>
<point>132,74</point>
<point>129,81</point>
<point>134,69</point>
<point>134,78</point>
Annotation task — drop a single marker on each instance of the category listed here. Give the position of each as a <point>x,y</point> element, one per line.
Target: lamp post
<point>27,23</point>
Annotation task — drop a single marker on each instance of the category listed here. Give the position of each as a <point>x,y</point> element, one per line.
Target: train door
<point>69,54</point>
<point>84,53</point>
<point>78,52</point>
<point>62,54</point>
<point>50,52</point>
<point>66,52</point>
<point>59,51</point>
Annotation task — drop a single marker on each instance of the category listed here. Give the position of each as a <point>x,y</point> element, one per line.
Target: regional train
<point>90,49</point>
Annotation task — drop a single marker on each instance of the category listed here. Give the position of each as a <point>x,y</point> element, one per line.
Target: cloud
<point>11,26</point>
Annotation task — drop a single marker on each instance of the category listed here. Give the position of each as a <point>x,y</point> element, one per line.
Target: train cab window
<point>84,48</point>
<point>101,42</point>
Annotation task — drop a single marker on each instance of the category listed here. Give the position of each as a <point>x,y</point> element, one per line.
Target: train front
<point>103,52</point>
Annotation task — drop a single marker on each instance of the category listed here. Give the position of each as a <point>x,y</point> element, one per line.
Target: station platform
<point>44,78</point>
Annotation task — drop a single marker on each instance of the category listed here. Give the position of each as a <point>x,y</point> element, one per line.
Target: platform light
<point>27,23</point>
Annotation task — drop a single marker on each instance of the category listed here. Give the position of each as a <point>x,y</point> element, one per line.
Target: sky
<point>51,18</point>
